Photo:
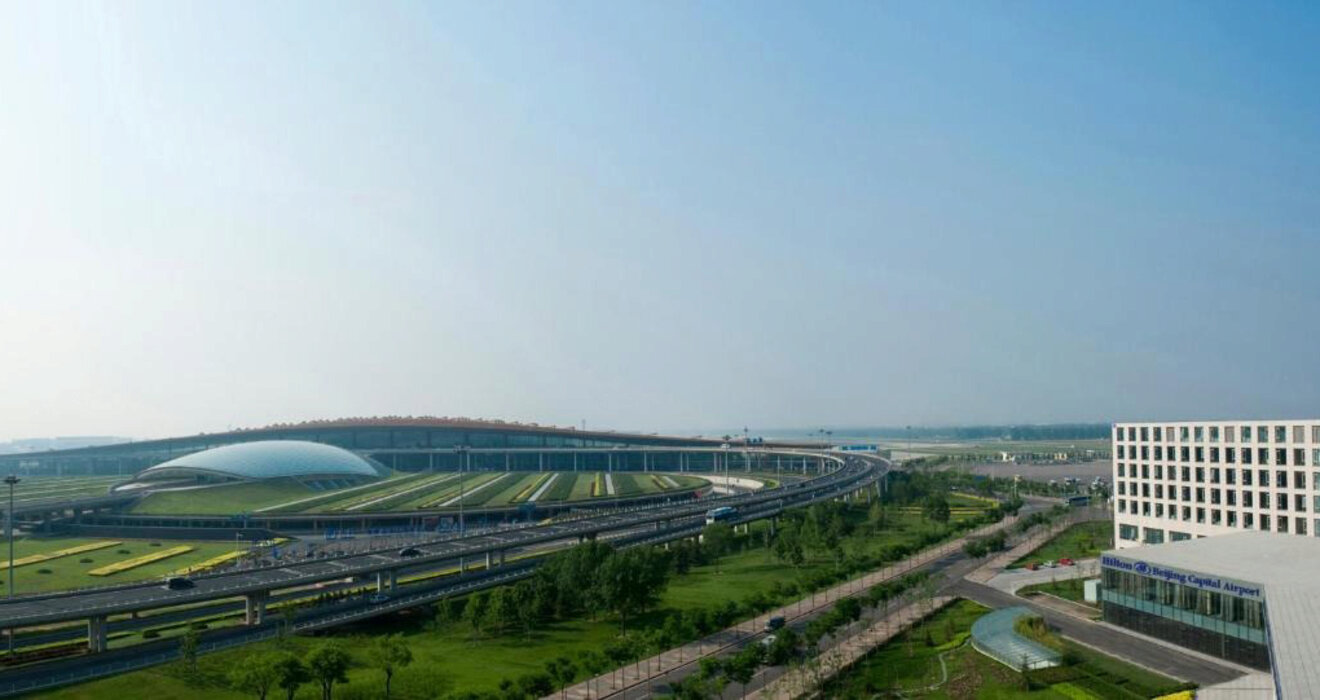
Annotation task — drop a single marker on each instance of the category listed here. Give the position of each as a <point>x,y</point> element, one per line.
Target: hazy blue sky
<point>656,215</point>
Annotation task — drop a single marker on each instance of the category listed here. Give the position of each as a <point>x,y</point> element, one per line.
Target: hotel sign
<point>1221,584</point>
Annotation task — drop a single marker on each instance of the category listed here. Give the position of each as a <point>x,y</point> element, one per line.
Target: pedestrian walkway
<point>645,670</point>
<point>803,680</point>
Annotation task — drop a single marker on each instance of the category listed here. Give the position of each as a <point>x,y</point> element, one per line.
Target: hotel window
<point>1228,434</point>
<point>1122,505</point>
<point>1299,503</point>
<point>1186,513</point>
<point>1283,502</point>
<point>1127,532</point>
<point>1186,473</point>
<point>1230,476</point>
<point>1231,497</point>
<point>1299,434</point>
<point>1214,517</point>
<point>1200,475</point>
<point>1186,454</point>
<point>1168,434</point>
<point>1145,471</point>
<point>1316,530</point>
<point>1280,479</point>
<point>1246,477</point>
<point>1299,457</point>
<point>1200,434</point>
<point>1283,523</point>
<point>1159,472</point>
<point>1300,526</point>
<point>1122,453</point>
<point>1315,433</point>
<point>1159,510</point>
<point>1145,489</point>
<point>1122,488</point>
<point>1159,490</point>
<point>1248,520</point>
<point>1281,457</point>
<point>1155,433</point>
<point>1264,522</point>
<point>1264,499</point>
<point>1214,433</point>
<point>1145,452</point>
<point>1214,475</point>
<point>1280,434</point>
<point>1246,455</point>
<point>1214,455</point>
<point>1299,480</point>
<point>1315,503</point>
<point>1144,435</point>
<point>1186,493</point>
<point>1232,518</point>
<point>1246,433</point>
<point>1183,434</point>
<point>1132,434</point>
<point>1246,499</point>
<point>1200,494</point>
<point>1214,497</point>
<point>1262,455</point>
<point>1230,455</point>
<point>1159,452</point>
<point>1200,515</point>
<point>1145,508</point>
<point>1121,467</point>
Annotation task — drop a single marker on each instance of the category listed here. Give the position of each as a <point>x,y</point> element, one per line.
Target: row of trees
<point>326,665</point>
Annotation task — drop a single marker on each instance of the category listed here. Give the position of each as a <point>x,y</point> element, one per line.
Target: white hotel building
<point>1176,481</point>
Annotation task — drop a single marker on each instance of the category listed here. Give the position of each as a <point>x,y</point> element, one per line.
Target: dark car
<point>179,583</point>
<point>409,552</point>
<point>774,623</point>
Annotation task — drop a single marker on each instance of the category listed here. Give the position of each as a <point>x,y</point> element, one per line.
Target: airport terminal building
<point>1252,598</point>
<point>1181,480</point>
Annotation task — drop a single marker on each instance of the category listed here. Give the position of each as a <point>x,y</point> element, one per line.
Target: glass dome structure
<point>265,459</point>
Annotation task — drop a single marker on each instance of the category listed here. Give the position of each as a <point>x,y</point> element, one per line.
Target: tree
<point>475,612</point>
<point>629,582</point>
<point>562,671</point>
<point>255,673</point>
<point>718,540</point>
<point>290,673</point>
<point>936,508</point>
<point>188,645</point>
<point>389,653</point>
<point>328,664</point>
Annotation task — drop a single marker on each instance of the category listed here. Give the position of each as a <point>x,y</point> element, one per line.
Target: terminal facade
<point>1182,480</point>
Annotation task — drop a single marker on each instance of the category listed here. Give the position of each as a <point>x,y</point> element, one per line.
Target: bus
<point>715,515</point>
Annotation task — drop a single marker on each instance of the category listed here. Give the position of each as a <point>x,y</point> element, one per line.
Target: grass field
<point>224,500</point>
<point>447,659</point>
<point>73,571</point>
<point>1081,541</point>
<point>1068,589</point>
<point>38,489</point>
<point>909,666</point>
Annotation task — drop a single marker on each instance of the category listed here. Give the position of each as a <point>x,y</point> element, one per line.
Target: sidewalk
<point>801,681</point>
<point>654,667</point>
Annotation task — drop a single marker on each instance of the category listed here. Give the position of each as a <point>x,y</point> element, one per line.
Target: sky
<point>656,216</point>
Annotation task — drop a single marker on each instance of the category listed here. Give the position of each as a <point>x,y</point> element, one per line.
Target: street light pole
<point>9,527</point>
<point>462,457</point>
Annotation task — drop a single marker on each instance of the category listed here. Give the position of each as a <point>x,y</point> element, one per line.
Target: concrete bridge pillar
<point>95,634</point>
<point>488,560</point>
<point>462,565</point>
<point>254,607</point>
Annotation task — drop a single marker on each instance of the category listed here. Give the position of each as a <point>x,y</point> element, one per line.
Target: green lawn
<point>909,666</point>
<point>71,571</point>
<point>1069,589</point>
<point>1081,541</point>
<point>226,499</point>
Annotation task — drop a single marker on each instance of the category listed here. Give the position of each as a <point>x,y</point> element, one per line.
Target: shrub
<point>85,560</point>
<point>122,551</point>
<point>151,634</point>
<point>45,571</point>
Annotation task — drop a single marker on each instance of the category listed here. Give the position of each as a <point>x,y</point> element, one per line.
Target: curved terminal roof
<point>266,459</point>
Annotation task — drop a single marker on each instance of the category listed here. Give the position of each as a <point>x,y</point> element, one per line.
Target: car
<point>179,583</point>
<point>1049,564</point>
<point>409,552</point>
<point>1066,561</point>
<point>378,598</point>
<point>774,623</point>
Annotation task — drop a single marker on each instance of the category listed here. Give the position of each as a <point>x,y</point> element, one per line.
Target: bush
<point>122,551</point>
<point>155,544</point>
<point>151,634</point>
<point>85,560</point>
<point>45,571</point>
